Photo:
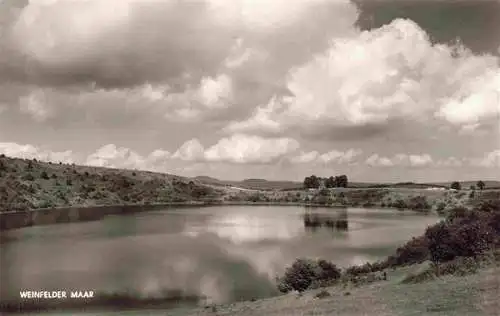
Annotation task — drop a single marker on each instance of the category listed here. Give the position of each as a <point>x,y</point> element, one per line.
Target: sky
<point>380,90</point>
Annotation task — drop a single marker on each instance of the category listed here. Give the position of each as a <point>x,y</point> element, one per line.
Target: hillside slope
<point>30,184</point>
<point>449,295</point>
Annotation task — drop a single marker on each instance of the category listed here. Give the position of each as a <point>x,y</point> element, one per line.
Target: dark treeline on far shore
<point>314,182</point>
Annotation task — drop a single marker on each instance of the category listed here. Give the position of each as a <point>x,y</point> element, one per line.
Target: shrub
<point>305,272</point>
<point>455,185</point>
<point>458,213</point>
<point>399,204</point>
<point>465,237</point>
<point>418,203</point>
<point>44,175</point>
<point>322,294</point>
<point>414,251</point>
<point>28,177</point>
<point>489,206</point>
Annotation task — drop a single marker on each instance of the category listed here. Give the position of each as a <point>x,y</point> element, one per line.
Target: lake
<point>220,253</point>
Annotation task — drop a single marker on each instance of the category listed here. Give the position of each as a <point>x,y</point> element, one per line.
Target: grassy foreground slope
<point>475,294</point>
<point>30,184</point>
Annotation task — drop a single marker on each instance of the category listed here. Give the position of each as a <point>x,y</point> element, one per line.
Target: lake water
<point>222,253</point>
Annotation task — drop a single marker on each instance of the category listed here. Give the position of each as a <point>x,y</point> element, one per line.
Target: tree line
<point>314,182</point>
<point>456,185</point>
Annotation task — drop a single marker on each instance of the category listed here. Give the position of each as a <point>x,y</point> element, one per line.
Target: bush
<point>467,237</point>
<point>322,294</point>
<point>418,203</point>
<point>414,251</point>
<point>305,272</point>
<point>458,213</point>
<point>28,177</point>
<point>44,175</point>
<point>440,207</point>
<point>399,204</point>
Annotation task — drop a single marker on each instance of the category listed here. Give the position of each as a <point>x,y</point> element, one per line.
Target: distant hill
<point>262,184</point>
<point>489,184</point>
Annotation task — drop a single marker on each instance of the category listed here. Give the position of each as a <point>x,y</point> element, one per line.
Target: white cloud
<point>260,121</point>
<point>451,162</point>
<point>305,157</point>
<point>192,150</point>
<point>241,148</point>
<point>420,160</point>
<point>32,152</point>
<point>213,93</point>
<point>393,72</point>
<point>489,160</point>
<point>112,156</point>
<point>123,42</point>
<point>477,99</point>
<point>376,161</point>
<point>333,156</point>
<point>115,157</point>
<point>411,160</point>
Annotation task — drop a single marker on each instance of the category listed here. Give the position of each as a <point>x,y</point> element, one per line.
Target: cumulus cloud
<point>241,148</point>
<point>412,160</point>
<point>451,162</point>
<point>33,152</point>
<point>260,121</point>
<point>127,42</point>
<point>489,160</point>
<point>117,43</point>
<point>333,156</point>
<point>112,156</point>
<point>192,150</point>
<point>305,157</point>
<point>382,75</point>
<point>376,161</point>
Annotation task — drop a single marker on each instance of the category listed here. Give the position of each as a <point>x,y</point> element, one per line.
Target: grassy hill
<point>30,184</point>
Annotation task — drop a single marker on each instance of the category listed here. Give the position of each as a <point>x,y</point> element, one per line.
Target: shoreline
<point>82,213</point>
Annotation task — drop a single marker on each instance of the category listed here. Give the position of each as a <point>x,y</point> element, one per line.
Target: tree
<point>311,182</point>
<point>455,185</point>
<point>330,182</point>
<point>341,181</point>
<point>480,184</point>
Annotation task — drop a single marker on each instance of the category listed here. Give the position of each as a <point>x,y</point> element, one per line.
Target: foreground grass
<point>475,294</point>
